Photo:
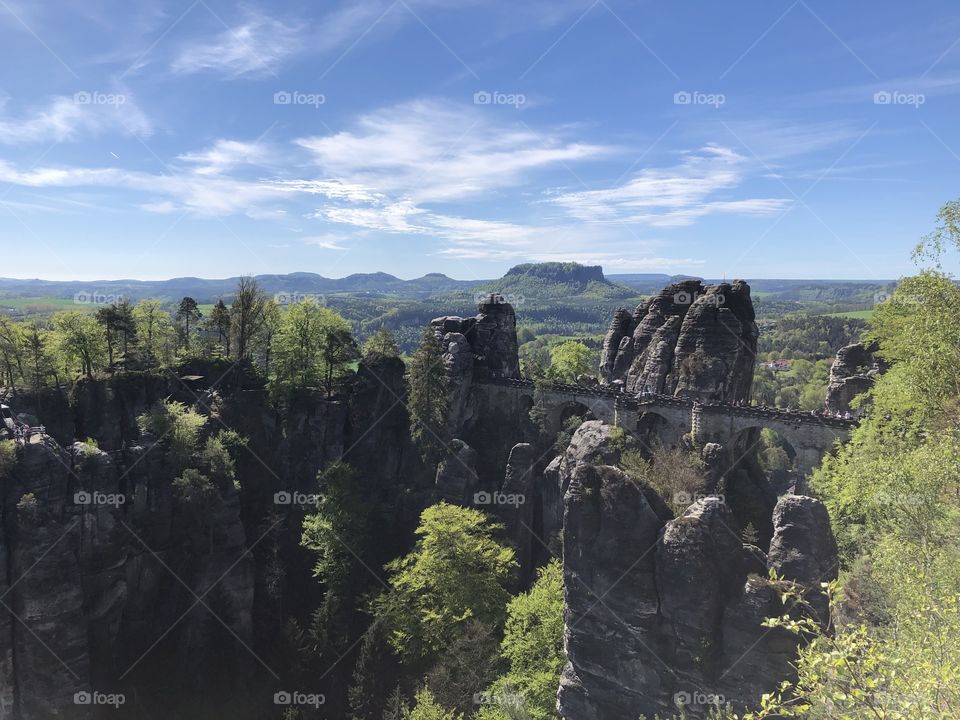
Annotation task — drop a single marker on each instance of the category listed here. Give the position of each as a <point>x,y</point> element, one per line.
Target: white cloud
<point>69,118</point>
<point>225,155</point>
<point>432,152</point>
<point>255,48</point>
<point>673,196</point>
<point>326,242</point>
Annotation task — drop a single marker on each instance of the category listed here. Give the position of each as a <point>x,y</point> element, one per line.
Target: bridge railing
<point>641,400</point>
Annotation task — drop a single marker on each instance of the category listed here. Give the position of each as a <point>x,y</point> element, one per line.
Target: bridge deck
<point>651,400</point>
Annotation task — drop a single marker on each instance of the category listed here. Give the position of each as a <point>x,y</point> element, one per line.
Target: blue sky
<point>748,139</point>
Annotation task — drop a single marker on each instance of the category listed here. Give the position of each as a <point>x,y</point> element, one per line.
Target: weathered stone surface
<point>621,328</point>
<point>518,502</point>
<point>659,609</point>
<point>689,339</point>
<point>457,474</point>
<point>697,573</point>
<point>853,372</point>
<point>803,548</point>
<point>491,336</point>
<point>609,535</point>
<point>83,537</point>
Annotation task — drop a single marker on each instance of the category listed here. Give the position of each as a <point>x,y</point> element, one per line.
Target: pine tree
<point>220,322</point>
<point>428,399</point>
<point>187,311</point>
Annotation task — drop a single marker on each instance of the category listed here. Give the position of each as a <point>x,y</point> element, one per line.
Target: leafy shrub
<point>177,426</point>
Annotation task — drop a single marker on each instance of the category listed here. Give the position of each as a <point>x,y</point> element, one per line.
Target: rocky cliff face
<point>102,564</point>
<point>491,337</point>
<point>664,610</point>
<point>689,340</point>
<point>853,372</point>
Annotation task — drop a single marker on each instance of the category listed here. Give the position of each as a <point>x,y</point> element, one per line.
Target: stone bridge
<point>666,419</point>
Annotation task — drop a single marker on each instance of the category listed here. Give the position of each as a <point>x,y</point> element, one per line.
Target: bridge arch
<point>560,413</point>
<point>775,453</point>
<point>660,427</point>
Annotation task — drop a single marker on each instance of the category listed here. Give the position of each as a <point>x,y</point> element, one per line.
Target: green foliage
<point>382,344</point>
<point>456,573</point>
<point>8,457</point>
<point>337,531</point>
<point>217,460</point>
<point>196,497</point>
<point>193,489</point>
<point>305,347</point>
<point>90,447</point>
<point>177,426</point>
<point>893,492</point>
<point>803,386</point>
<point>219,323</point>
<point>918,330</point>
<point>156,335</point>
<point>79,343</point>
<point>946,234</point>
<point>427,708</point>
<point>568,360</point>
<point>28,509</point>
<point>677,475</point>
<point>533,647</point>
<point>428,400</point>
<point>248,315</point>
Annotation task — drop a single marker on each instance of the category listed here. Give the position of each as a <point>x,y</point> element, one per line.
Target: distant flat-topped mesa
<point>690,340</point>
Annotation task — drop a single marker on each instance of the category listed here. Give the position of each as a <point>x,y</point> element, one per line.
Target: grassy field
<point>857,314</point>
<point>32,307</point>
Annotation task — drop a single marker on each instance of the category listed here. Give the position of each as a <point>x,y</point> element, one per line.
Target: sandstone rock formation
<point>688,340</point>
<point>663,610</point>
<point>457,474</point>
<point>90,541</point>
<point>484,346</point>
<point>853,372</point>
<point>491,336</point>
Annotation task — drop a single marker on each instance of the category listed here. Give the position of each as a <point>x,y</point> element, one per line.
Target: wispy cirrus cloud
<point>253,48</point>
<point>430,151</point>
<point>672,196</point>
<point>65,118</point>
<point>328,241</point>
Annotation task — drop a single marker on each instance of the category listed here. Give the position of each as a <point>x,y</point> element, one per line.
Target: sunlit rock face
<point>690,340</point>
<point>853,372</point>
<point>664,610</point>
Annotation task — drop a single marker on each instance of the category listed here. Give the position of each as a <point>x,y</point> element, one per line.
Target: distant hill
<point>649,282</point>
<point>534,281</point>
<point>555,280</point>
<point>206,291</point>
